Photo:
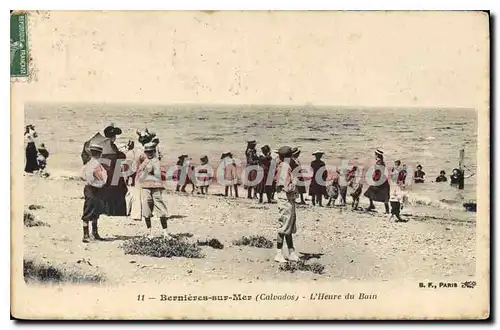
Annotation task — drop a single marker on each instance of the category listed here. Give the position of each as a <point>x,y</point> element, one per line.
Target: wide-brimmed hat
<point>149,147</point>
<point>318,152</point>
<point>379,152</point>
<point>95,147</point>
<point>295,150</point>
<point>225,154</point>
<point>251,142</point>
<point>285,151</point>
<point>111,131</point>
<point>419,166</point>
<point>265,149</point>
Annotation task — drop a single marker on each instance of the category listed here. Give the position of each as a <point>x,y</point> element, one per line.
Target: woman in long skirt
<point>317,189</point>
<point>380,191</point>
<point>263,186</point>
<point>31,150</point>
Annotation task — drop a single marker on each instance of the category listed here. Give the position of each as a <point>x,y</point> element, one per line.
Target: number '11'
<point>140,297</point>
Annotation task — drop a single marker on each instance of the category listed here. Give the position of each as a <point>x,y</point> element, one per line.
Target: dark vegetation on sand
<point>255,241</point>
<point>161,247</point>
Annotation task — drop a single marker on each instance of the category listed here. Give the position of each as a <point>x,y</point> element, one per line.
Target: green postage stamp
<point>19,55</point>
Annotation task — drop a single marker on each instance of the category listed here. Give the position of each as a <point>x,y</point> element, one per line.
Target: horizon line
<point>255,105</point>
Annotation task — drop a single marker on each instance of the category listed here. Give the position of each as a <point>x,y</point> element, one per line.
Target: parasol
<point>105,143</point>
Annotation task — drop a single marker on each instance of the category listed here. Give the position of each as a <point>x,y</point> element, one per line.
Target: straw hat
<point>95,147</point>
<point>225,154</point>
<point>318,152</point>
<point>149,147</point>
<point>379,152</point>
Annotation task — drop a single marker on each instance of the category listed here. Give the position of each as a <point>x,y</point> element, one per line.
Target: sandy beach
<point>351,245</point>
<point>438,241</point>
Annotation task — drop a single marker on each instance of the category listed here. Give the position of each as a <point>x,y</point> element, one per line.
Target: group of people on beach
<point>138,191</point>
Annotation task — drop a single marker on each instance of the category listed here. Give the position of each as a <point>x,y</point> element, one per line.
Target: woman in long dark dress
<point>31,151</point>
<point>263,186</point>
<point>318,189</point>
<point>381,191</point>
<point>114,192</point>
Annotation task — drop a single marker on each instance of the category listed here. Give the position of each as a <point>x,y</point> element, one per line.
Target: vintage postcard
<point>280,165</point>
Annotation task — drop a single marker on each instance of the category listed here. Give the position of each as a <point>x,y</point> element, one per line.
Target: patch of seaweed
<point>213,243</point>
<point>46,273</point>
<point>293,266</point>
<point>255,241</point>
<point>161,247</point>
<point>30,221</point>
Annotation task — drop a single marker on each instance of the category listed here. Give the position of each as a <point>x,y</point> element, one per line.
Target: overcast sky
<point>321,58</point>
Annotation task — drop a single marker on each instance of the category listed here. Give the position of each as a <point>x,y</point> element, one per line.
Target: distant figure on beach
<point>395,171</point>
<point>418,177</point>
<point>96,177</point>
<point>204,175</point>
<point>442,177</point>
<point>184,173</point>
<point>152,182</point>
<point>287,219</point>
<point>342,182</point>
<point>402,175</point>
<point>31,152</point>
<point>295,163</point>
<point>263,187</point>
<point>42,156</point>
<point>396,201</point>
<point>455,177</point>
<point>333,192</point>
<point>355,187</point>
<point>317,188</point>
<point>230,174</point>
<point>251,160</point>
<point>380,191</point>
<point>114,192</point>
<point>133,157</point>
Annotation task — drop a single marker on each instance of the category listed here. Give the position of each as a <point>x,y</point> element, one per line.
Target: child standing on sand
<point>287,193</point>
<point>229,174</point>
<point>355,186</point>
<point>204,175</point>
<point>96,176</point>
<point>397,200</point>
<point>151,180</point>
